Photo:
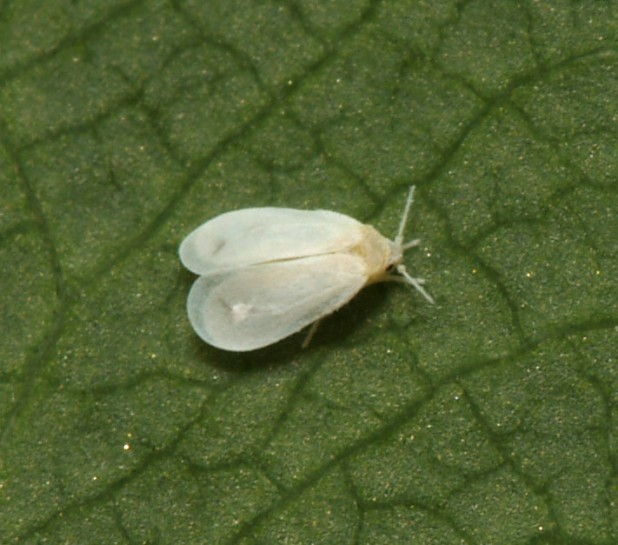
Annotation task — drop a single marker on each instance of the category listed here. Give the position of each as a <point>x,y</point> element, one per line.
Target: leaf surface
<point>488,418</point>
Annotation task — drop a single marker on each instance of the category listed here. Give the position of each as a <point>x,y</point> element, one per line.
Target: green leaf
<point>487,418</point>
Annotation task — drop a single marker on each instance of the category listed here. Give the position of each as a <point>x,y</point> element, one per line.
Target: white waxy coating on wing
<point>255,306</point>
<point>259,235</point>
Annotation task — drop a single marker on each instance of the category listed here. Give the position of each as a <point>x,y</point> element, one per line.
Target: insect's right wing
<point>253,307</point>
<point>260,235</point>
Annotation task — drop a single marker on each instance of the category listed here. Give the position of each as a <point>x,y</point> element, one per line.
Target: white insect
<point>266,273</point>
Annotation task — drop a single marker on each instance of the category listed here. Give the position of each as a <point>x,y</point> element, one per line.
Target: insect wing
<point>260,235</point>
<point>250,308</point>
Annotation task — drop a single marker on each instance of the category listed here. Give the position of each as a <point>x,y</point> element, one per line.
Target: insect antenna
<point>404,220</point>
<point>417,283</point>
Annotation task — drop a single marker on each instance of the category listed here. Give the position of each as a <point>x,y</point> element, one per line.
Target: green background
<point>487,418</point>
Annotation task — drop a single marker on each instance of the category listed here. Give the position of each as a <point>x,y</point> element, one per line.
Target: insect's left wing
<point>259,235</point>
<point>253,307</point>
